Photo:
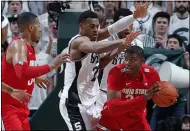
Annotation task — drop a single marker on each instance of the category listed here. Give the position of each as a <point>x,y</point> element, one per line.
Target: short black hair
<point>14,1</point>
<point>176,36</point>
<point>87,14</point>
<point>135,50</point>
<point>121,12</point>
<point>25,18</point>
<point>162,15</point>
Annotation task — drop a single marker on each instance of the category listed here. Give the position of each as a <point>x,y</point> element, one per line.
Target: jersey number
<point>129,97</point>
<point>78,126</point>
<point>95,70</point>
<point>30,82</point>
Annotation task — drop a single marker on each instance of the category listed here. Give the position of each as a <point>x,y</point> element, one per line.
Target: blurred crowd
<point>166,26</point>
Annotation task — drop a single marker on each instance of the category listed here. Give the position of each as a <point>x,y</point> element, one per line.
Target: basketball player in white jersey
<point>119,59</point>
<point>81,88</point>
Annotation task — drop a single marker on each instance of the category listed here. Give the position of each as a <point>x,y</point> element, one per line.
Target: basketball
<point>167,95</point>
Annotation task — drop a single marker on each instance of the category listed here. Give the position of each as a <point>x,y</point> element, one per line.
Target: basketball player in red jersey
<point>130,85</point>
<point>20,95</point>
<point>19,71</point>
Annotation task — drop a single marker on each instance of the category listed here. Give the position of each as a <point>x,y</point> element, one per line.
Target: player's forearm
<point>100,47</point>
<point>106,60</point>
<point>117,27</point>
<point>25,71</point>
<point>118,107</point>
<point>6,88</point>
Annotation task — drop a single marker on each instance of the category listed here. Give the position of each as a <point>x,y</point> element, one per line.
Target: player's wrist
<point>147,97</point>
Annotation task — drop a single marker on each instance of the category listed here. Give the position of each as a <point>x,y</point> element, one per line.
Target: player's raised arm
<point>84,44</point>
<point>123,23</point>
<point>22,69</point>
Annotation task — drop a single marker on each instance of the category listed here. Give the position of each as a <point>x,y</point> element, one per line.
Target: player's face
<point>133,64</point>
<point>90,28</point>
<point>35,30</point>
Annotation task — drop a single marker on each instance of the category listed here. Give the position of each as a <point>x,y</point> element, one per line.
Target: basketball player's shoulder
<point>79,40</point>
<point>149,69</point>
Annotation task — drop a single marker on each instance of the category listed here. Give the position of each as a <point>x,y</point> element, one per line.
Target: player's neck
<point>27,38</point>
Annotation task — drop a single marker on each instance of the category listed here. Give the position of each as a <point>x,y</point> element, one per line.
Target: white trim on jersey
<point>64,113</point>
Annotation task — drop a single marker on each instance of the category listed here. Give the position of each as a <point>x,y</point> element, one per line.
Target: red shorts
<point>14,118</point>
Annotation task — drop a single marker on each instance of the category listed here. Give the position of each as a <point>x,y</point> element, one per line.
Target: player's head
<point>89,24</point>
<point>4,28</point>
<point>134,58</point>
<point>120,13</point>
<point>29,24</point>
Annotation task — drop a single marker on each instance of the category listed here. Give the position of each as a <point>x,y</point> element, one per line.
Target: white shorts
<point>77,117</point>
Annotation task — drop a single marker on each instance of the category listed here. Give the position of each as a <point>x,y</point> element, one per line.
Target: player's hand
<point>42,82</point>
<point>21,95</point>
<point>152,91</point>
<point>128,40</point>
<point>141,10</point>
<point>59,59</point>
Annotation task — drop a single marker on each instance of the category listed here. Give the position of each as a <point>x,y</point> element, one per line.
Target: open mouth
<point>15,11</point>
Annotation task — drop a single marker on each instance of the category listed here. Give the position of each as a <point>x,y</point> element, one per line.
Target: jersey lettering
<point>94,58</point>
<point>31,81</point>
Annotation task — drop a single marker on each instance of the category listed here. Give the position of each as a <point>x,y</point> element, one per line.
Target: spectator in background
<point>36,7</point>
<point>174,42</point>
<point>48,42</point>
<point>185,123</point>
<point>179,23</point>
<point>14,7</point>
<point>178,109</point>
<point>109,8</point>
<point>99,10</point>
<point>13,27</point>
<point>108,20</point>
<point>160,25</point>
<point>145,24</point>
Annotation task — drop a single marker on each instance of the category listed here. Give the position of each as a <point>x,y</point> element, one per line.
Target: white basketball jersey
<point>117,60</point>
<point>80,81</point>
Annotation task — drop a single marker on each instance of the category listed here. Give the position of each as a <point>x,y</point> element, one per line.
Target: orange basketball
<point>167,95</point>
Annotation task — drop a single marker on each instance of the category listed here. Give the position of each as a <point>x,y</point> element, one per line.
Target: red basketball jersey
<point>10,78</point>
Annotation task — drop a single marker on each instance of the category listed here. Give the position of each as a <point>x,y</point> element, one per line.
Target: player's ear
<point>30,27</point>
<point>142,60</point>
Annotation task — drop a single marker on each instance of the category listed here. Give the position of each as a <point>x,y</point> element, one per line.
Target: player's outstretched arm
<point>105,60</point>
<point>19,60</point>
<point>123,23</point>
<point>84,44</point>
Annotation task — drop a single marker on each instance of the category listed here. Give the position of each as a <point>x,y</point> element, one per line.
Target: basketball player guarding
<point>20,95</point>
<point>119,59</point>
<point>19,71</point>
<point>81,88</point>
